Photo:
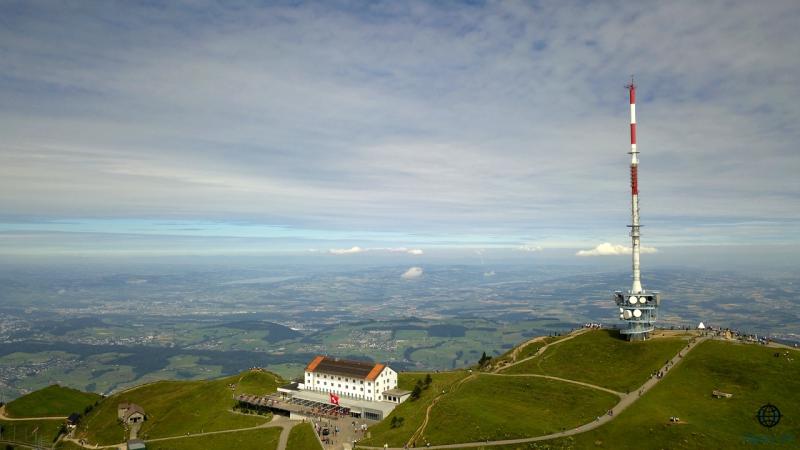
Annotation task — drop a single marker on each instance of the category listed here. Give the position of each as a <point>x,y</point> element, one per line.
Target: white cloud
<point>412,273</point>
<point>490,273</point>
<point>346,251</point>
<point>608,249</point>
<point>529,248</point>
<point>415,252</point>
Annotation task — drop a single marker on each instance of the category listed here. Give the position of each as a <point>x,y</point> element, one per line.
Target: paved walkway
<point>624,403</point>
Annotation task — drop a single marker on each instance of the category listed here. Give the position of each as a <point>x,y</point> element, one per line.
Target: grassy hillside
<point>751,373</point>
<point>66,445</point>
<point>303,437</point>
<point>260,439</point>
<point>175,408</point>
<point>52,401</point>
<point>30,431</point>
<point>412,411</point>
<point>601,357</point>
<point>492,407</point>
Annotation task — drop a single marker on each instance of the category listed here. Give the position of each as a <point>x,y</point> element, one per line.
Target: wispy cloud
<point>608,249</point>
<point>529,248</point>
<point>346,251</point>
<point>410,251</point>
<point>497,119</point>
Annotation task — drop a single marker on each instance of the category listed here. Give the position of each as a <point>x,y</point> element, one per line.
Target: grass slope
<point>175,408</point>
<point>67,445</point>
<point>303,437</point>
<point>30,430</point>
<point>412,411</point>
<point>497,407</point>
<point>751,373</point>
<point>51,401</point>
<point>261,439</point>
<point>600,357</point>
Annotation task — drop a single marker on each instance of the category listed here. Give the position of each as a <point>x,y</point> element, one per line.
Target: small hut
<point>130,413</point>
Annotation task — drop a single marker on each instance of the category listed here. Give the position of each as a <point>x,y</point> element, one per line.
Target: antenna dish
<point>633,300</point>
<point>637,313</point>
<point>642,300</point>
<point>627,314</point>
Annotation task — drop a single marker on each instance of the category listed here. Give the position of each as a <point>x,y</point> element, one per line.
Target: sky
<point>395,128</point>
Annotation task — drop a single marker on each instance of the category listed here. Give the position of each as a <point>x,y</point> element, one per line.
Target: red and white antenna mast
<point>636,288</point>
<point>637,307</point>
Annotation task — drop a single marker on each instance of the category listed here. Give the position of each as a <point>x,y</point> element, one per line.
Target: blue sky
<point>297,127</point>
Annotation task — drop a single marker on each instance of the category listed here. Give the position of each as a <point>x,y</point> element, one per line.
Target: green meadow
<point>176,408</point>
<point>603,358</point>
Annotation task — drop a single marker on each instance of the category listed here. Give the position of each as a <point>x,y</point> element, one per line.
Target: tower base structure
<point>640,311</point>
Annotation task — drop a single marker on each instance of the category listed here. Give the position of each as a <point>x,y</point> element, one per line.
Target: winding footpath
<point>572,335</point>
<point>276,422</point>
<point>421,430</point>
<point>626,400</point>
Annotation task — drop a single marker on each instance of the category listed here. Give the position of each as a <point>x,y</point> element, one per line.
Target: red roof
<point>375,371</point>
<point>314,363</point>
<point>356,369</point>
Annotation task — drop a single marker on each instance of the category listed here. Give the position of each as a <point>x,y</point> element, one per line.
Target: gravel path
<point>625,401</point>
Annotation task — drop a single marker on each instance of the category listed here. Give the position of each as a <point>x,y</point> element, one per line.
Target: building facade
<point>350,379</point>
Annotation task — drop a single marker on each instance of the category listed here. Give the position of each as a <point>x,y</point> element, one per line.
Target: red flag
<point>334,399</point>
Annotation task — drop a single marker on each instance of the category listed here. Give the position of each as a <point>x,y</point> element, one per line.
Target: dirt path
<point>536,375</point>
<point>5,417</point>
<point>281,422</point>
<point>625,401</point>
<point>436,399</point>
<point>419,432</point>
<point>541,350</point>
<point>285,425</point>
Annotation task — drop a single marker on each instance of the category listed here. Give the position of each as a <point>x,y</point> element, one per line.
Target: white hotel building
<point>353,379</point>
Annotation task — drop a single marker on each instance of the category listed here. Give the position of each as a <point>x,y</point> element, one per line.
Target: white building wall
<point>385,381</point>
<point>352,387</point>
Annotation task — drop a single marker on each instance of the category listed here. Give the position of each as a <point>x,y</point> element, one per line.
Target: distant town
<point>102,332</point>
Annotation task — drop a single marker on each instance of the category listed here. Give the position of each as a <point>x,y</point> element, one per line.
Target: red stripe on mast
<point>633,133</point>
<point>634,180</point>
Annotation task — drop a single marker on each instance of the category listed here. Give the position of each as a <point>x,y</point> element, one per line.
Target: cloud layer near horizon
<point>459,122</point>
<point>609,249</point>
